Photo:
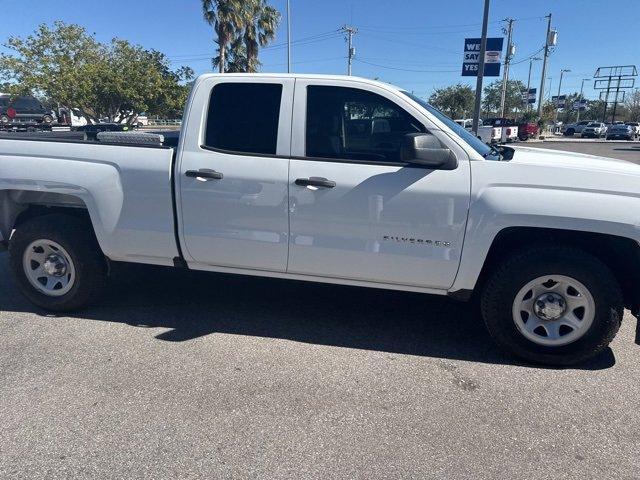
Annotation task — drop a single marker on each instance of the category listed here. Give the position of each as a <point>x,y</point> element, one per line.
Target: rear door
<point>356,210</point>
<point>234,173</point>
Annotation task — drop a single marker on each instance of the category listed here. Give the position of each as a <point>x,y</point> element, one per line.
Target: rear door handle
<point>315,182</point>
<point>205,173</point>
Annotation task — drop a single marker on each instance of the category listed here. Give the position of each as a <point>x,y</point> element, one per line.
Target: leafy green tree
<point>241,28</point>
<point>260,22</point>
<point>67,66</point>
<point>455,100</point>
<point>493,95</point>
<point>594,111</point>
<point>632,103</point>
<point>226,17</point>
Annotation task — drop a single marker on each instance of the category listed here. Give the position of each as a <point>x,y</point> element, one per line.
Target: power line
<point>301,41</point>
<point>402,42</point>
<point>403,69</point>
<point>430,27</point>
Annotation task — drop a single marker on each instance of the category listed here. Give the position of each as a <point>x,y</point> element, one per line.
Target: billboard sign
<point>492,57</point>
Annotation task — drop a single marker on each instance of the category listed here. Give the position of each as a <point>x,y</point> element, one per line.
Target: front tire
<point>552,305</point>
<point>57,263</point>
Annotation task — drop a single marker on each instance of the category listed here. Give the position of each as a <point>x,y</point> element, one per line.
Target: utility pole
<point>562,72</point>
<point>350,31</point>
<point>483,51</point>
<point>288,37</point>
<point>507,60</point>
<point>580,99</point>
<point>544,64</point>
<point>531,60</point>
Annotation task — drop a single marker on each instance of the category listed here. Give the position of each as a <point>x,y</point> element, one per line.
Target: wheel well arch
<point>23,205</point>
<point>620,254</point>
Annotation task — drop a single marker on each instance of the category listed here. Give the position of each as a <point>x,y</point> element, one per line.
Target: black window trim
<point>353,161</point>
<point>238,152</point>
<point>314,159</point>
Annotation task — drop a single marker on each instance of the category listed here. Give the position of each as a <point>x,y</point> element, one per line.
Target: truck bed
<point>126,189</point>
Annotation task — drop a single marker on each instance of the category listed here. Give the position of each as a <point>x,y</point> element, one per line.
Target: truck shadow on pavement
<point>195,304</point>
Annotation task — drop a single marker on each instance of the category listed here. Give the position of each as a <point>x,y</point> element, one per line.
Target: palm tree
<point>226,17</point>
<point>260,22</point>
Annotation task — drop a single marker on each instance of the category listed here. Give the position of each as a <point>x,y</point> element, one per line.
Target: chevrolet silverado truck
<point>341,180</point>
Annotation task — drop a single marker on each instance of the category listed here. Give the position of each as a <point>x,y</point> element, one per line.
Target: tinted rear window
<point>243,117</point>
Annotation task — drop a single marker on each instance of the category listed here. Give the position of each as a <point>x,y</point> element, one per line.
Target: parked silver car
<point>577,127</point>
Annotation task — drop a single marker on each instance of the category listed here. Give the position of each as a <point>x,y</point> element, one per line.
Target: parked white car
<point>340,180</point>
<point>594,130</point>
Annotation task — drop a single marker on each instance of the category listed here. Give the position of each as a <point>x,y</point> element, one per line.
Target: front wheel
<point>47,119</point>
<point>552,305</point>
<point>57,263</point>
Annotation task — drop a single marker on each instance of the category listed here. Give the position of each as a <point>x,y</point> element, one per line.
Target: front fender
<point>500,207</point>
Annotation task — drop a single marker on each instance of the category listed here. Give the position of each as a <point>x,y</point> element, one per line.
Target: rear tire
<point>591,284</point>
<point>57,263</point>
<point>47,119</point>
<point>4,119</point>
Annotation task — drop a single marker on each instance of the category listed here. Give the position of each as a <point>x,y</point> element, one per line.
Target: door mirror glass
<point>425,149</point>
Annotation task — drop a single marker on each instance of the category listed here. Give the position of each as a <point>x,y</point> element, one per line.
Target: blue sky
<point>416,44</point>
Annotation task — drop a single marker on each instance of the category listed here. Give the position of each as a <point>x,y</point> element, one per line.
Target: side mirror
<point>425,149</point>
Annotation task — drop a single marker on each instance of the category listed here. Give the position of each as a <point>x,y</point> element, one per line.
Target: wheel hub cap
<point>550,306</point>
<point>553,310</point>
<point>49,267</point>
<point>55,265</point>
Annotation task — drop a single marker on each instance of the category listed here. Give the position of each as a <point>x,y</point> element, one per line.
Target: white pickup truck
<point>341,180</point>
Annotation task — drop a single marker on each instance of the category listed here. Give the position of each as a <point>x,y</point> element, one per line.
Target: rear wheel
<point>57,262</point>
<point>4,119</point>
<point>47,119</point>
<point>552,305</point>
<point>570,132</point>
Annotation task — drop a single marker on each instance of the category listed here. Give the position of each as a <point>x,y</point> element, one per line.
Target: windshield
<point>468,137</point>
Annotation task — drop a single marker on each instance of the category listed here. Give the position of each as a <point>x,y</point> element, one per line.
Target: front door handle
<point>315,182</point>
<point>204,173</point>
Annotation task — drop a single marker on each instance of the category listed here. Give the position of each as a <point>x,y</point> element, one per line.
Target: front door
<point>233,188</point>
<point>356,210</point>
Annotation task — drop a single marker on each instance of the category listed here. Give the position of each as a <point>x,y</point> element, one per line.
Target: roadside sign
<point>491,58</point>
<point>560,101</point>
<point>529,97</point>
<point>580,105</point>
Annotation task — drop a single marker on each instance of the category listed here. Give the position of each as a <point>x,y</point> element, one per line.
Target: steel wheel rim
<point>553,310</point>
<point>48,267</point>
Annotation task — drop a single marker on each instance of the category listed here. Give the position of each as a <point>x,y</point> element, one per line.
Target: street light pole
<point>288,37</point>
<point>580,98</point>
<point>529,80</point>
<point>483,51</point>
<point>507,60</point>
<point>562,72</point>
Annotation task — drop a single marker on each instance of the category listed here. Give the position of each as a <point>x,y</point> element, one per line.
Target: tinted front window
<point>354,124</point>
<point>243,117</point>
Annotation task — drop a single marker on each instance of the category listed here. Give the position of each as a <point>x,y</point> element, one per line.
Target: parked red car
<point>527,130</point>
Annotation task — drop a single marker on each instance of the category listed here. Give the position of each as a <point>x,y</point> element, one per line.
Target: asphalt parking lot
<point>620,149</point>
<point>186,375</point>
